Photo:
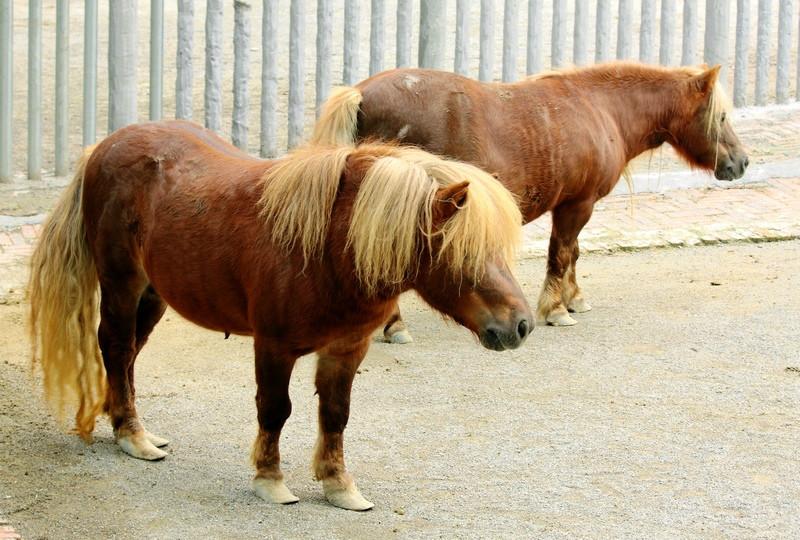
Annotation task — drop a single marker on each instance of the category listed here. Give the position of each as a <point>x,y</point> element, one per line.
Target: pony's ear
<point>705,81</point>
<point>448,201</point>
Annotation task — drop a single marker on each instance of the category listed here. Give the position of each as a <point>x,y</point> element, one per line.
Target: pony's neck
<point>643,103</point>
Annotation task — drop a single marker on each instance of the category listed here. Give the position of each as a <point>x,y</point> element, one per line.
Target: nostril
<point>746,161</point>
<point>523,329</point>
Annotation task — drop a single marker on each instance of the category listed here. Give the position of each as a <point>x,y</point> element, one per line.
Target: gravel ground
<point>671,411</point>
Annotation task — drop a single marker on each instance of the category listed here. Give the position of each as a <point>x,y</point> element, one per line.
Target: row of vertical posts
<point>432,48</point>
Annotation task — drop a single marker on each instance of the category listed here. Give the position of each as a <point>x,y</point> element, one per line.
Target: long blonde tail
<point>64,311</point>
<point>337,123</point>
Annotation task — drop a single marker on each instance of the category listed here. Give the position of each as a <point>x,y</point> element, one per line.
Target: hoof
<point>139,446</point>
<point>273,491</point>
<point>579,305</point>
<point>345,494</point>
<point>560,317</point>
<point>156,440</point>
<point>400,338</point>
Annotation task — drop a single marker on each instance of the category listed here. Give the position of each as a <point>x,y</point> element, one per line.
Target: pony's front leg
<point>273,372</point>
<point>336,368</point>
<point>571,293</point>
<point>568,220</point>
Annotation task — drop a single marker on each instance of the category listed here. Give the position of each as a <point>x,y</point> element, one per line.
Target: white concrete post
<point>668,8</point>
<point>62,86</point>
<point>241,73</point>
<point>580,33</point>
<point>377,33</point>
<point>269,79</point>
<point>786,8</point>
<point>690,29</point>
<point>324,39</point>
<point>156,59</point>
<point>404,22</point>
<point>647,39</point>
<point>212,92</point>
<point>296,72</point>
<point>625,30</point>
<point>602,38</point>
<point>742,40</point>
<point>461,59</point>
<point>715,49</point>
<point>558,46</point>
<point>34,90</point>
<point>90,72</point>
<point>486,66</point>
<point>432,31</point>
<point>352,22</point>
<point>122,58</point>
<point>762,51</point>
<point>535,49</point>
<point>510,42</point>
<point>6,87</point>
<point>183,81</point>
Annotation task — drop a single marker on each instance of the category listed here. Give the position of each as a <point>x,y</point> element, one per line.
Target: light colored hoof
<point>400,338</point>
<point>273,491</point>
<point>345,495</point>
<point>560,318</point>
<point>156,440</point>
<point>579,305</point>
<point>140,447</point>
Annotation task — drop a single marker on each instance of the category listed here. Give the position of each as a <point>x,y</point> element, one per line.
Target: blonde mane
<point>392,211</point>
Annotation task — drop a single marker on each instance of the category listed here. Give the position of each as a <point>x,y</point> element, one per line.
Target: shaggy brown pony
<point>558,141</point>
<point>306,253</point>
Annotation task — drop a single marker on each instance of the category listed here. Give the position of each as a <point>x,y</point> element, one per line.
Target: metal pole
<point>122,48</point>
<point>212,93</point>
<point>34,90</point>
<point>689,45</point>
<point>742,40</point>
<point>6,87</point>
<point>324,33</point>
<point>580,43</point>
<point>432,24</point>
<point>90,73</point>
<point>269,79</point>
<point>62,86</point>
<point>461,61</point>
<point>351,25</point>
<point>296,72</point>
<point>377,31</point>
<point>486,67</point>
<point>156,59</point>
<point>535,38</point>
<point>762,50</point>
<point>510,45</point>
<point>784,50</point>
<point>558,49</point>
<point>183,81</point>
<point>241,72</point>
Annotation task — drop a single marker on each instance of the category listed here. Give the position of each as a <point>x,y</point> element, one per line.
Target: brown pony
<point>307,253</point>
<point>558,141</point>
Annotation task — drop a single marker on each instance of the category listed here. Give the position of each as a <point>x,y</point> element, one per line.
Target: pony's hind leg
<point>336,368</point>
<point>571,293</point>
<point>274,407</point>
<point>151,309</point>
<point>119,343</point>
<point>395,330</point>
<point>568,220</point>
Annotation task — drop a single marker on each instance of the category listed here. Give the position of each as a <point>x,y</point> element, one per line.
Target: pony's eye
<point>722,118</point>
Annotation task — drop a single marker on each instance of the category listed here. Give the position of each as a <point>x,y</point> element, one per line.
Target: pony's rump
<point>393,205</point>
